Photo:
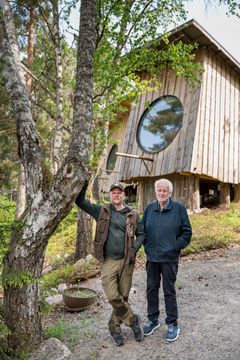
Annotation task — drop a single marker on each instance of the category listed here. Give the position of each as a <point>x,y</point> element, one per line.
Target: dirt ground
<point>208,290</point>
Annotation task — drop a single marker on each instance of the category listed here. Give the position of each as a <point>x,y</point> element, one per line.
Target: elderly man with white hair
<point>168,230</point>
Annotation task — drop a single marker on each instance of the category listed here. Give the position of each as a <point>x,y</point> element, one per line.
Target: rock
<point>55,299</point>
<point>54,349</point>
<point>80,262</point>
<point>89,258</point>
<point>61,288</point>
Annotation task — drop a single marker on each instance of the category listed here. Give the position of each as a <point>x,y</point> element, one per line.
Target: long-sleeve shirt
<point>115,242</point>
<point>167,231</point>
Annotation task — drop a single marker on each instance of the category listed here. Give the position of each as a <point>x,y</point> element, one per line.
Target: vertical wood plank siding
<point>208,142</point>
<point>216,145</point>
<point>170,159</point>
<point>236,134</point>
<point>118,133</point>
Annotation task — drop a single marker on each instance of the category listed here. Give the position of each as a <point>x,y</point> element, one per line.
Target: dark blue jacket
<point>167,231</point>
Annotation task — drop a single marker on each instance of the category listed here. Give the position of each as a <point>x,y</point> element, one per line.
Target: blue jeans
<point>167,271</point>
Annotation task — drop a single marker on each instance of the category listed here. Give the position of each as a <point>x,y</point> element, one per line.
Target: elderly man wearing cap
<point>119,235</point>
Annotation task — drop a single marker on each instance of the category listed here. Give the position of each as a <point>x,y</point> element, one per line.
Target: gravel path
<point>208,289</point>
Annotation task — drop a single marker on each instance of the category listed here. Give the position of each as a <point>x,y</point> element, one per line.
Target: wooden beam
<point>142,158</point>
<point>111,171</point>
<point>134,156</point>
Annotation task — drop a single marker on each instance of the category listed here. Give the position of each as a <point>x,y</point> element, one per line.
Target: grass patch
<point>56,277</point>
<point>68,333</point>
<point>70,274</point>
<point>63,331</point>
<point>215,228</point>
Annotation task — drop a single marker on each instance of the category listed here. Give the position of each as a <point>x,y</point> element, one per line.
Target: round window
<point>160,124</point>
<point>112,158</point>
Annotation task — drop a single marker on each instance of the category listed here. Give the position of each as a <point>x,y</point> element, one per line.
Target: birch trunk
<point>45,207</point>
<point>21,193</point>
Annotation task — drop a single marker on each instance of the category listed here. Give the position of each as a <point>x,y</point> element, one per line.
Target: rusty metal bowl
<point>78,298</point>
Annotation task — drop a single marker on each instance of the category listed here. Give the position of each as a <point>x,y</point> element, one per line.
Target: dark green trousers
<point>116,283</point>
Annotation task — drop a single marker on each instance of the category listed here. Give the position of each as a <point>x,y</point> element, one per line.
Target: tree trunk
<point>26,321</point>
<point>46,208</point>
<point>21,194</point>
<point>84,242</point>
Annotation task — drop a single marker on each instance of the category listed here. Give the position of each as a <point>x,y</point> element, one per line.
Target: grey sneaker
<point>137,328</point>
<point>149,328</point>
<point>173,332</point>
<point>117,339</point>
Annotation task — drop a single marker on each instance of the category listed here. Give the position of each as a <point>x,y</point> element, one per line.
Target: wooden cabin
<point>189,135</point>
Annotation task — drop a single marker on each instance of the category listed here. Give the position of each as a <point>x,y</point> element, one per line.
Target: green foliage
<point>44,306</point>
<point>70,274</point>
<point>7,214</point>
<point>125,30</point>
<point>3,333</point>
<point>56,277</point>
<point>62,242</point>
<point>232,6</point>
<point>57,330</point>
<point>62,331</point>
<point>18,278</point>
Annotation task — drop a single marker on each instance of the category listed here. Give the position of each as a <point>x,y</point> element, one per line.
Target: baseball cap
<point>117,185</point>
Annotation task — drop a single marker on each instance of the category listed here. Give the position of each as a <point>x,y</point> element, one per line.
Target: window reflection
<point>112,158</point>
<point>160,123</point>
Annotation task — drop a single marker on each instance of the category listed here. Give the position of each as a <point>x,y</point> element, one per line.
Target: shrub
<point>7,214</point>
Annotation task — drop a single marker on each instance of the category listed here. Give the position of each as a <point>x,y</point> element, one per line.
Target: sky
<point>224,29</point>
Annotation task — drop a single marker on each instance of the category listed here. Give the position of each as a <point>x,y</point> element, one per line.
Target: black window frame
<point>111,152</point>
<point>149,107</point>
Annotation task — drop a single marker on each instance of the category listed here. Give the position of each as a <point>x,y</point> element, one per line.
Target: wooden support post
<point>237,193</point>
<point>196,194</point>
<point>140,196</point>
<point>224,193</point>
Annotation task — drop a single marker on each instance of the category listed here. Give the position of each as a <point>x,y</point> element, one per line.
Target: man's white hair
<point>164,182</point>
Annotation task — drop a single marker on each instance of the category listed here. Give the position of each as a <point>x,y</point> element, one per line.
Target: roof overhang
<point>192,31</point>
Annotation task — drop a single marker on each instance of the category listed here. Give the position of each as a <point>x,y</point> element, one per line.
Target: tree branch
<point>40,106</point>
<point>39,81</point>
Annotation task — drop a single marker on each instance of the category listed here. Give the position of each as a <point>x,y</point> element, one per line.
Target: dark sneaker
<point>149,328</point>
<point>137,328</point>
<point>117,339</point>
<point>172,333</point>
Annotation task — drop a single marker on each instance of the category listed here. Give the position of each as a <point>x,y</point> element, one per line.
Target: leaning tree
<point>47,202</point>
